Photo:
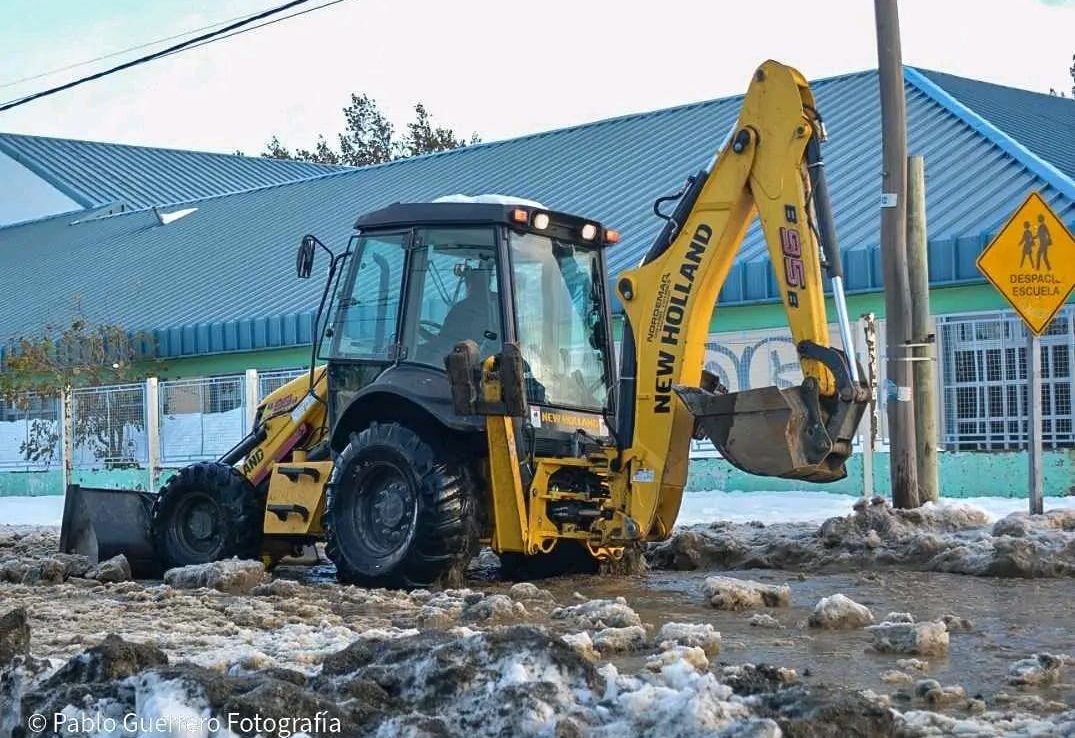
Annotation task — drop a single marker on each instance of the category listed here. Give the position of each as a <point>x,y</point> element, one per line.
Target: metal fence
<point>109,427</point>
<point>269,382</point>
<point>984,382</point>
<point>31,435</point>
<point>112,427</point>
<point>981,382</point>
<point>201,418</point>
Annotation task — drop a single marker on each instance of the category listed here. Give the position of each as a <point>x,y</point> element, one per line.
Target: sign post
<point>1030,262</point>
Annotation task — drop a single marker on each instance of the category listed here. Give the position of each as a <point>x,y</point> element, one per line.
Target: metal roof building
<point>222,279</point>
<point>85,174</point>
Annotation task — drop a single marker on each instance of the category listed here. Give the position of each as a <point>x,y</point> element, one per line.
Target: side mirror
<point>304,260</point>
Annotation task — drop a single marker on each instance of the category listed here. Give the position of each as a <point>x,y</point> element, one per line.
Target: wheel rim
<point>386,510</point>
<point>198,527</point>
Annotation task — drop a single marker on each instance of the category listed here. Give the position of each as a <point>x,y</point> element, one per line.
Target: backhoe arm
<point>771,168</point>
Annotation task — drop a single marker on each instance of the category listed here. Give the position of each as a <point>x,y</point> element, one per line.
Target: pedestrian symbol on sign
<point>1019,262</point>
<point>1044,239</point>
<point>1044,242</point>
<point>1028,244</point>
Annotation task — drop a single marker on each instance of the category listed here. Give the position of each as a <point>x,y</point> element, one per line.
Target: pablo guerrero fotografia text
<point>67,724</point>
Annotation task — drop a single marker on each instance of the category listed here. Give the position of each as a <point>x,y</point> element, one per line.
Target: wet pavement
<point>1011,619</point>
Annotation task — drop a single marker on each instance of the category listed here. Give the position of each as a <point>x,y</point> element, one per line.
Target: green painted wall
<point>964,474</point>
<point>41,483</point>
<point>30,484</point>
<point>234,363</point>
<point>943,301</point>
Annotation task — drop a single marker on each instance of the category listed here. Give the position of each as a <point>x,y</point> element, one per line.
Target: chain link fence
<point>198,419</point>
<point>201,418</point>
<point>269,382</point>
<point>109,427</point>
<point>31,434</point>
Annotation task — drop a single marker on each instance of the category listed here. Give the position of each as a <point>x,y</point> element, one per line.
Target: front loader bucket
<point>101,523</point>
<point>769,432</point>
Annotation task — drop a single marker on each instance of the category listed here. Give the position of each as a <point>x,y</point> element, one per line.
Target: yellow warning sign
<point>1032,262</point>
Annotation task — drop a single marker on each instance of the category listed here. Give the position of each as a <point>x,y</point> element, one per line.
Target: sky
<point>493,68</point>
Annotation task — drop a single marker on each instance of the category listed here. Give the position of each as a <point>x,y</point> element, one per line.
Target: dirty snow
<point>957,538</point>
<point>840,611</point>
<point>579,658</point>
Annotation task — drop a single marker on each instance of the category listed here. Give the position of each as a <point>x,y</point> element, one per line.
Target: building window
<point>984,381</point>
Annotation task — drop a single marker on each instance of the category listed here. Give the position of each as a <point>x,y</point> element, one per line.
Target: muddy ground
<point>882,623</point>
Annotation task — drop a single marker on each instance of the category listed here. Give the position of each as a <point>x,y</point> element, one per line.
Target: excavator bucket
<point>771,432</point>
<point>101,523</point>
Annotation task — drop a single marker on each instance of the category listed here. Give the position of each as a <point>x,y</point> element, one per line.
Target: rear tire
<point>398,514</point>
<point>207,512</point>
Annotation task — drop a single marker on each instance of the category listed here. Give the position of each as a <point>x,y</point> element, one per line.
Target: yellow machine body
<point>291,461</point>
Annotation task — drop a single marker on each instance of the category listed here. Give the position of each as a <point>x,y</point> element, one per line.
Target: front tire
<point>207,512</point>
<point>398,515</point>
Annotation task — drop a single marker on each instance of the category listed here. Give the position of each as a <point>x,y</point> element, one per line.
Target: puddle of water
<point>1012,619</point>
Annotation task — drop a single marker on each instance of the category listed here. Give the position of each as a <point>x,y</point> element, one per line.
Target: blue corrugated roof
<point>222,278</point>
<point>1044,124</point>
<point>93,173</point>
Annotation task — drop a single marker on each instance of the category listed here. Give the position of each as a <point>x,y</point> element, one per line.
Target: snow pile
<point>232,576</point>
<point>619,640</point>
<point>516,680</point>
<point>373,681</point>
<point>999,724</point>
<point>839,611</point>
<point>923,639</point>
<point>693,635</point>
<point>816,506</point>
<point>1041,668</point>
<point>955,538</point>
<point>599,614</point>
<point>729,593</point>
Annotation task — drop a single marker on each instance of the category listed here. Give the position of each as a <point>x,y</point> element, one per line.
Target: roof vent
<point>166,218</point>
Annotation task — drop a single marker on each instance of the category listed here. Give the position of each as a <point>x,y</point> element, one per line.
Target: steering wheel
<point>427,334</point>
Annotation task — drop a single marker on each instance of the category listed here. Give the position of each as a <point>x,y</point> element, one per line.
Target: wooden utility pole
<point>903,472</point>
<point>922,334</point>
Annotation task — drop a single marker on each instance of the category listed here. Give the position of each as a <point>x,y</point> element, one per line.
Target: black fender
<point>417,396</point>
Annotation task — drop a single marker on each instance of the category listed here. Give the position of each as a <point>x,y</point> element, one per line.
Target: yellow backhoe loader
<point>463,388</point>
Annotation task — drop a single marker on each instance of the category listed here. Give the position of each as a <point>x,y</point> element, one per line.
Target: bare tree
<point>370,138</point>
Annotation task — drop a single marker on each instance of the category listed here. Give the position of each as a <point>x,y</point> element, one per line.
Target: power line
<point>191,43</point>
<point>121,52</point>
<point>254,28</point>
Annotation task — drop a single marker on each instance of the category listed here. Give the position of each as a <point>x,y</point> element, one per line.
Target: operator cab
<point>495,270</point>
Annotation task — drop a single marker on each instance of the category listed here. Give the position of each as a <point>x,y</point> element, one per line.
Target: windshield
<point>559,312</point>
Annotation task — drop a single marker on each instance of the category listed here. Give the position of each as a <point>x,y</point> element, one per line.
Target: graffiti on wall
<point>755,359</point>
<point>766,361</point>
